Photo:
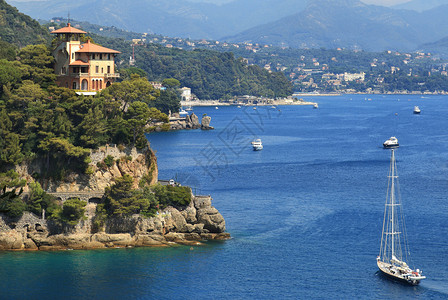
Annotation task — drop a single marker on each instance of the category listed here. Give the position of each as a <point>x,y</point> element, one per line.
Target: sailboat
<point>394,250</point>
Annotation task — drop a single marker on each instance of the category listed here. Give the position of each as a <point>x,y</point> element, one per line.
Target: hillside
<point>19,29</point>
<point>209,74</point>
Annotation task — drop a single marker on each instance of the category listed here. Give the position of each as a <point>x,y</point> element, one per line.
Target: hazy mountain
<point>351,24</point>
<point>420,5</point>
<point>180,18</point>
<point>439,47</point>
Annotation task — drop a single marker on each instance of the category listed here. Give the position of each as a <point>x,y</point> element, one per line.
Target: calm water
<point>305,213</point>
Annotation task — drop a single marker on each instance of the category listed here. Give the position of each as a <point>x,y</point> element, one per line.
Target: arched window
<point>108,69</point>
<point>84,85</point>
<point>101,84</point>
<point>102,70</point>
<point>97,69</point>
<point>75,85</point>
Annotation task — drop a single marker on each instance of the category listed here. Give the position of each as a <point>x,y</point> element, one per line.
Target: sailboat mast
<point>392,200</point>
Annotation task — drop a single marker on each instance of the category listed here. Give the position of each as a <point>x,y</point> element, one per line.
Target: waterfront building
<point>82,66</point>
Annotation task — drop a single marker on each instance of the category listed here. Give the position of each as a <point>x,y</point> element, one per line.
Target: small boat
<point>273,107</point>
<point>257,145</point>
<point>183,112</point>
<point>189,108</point>
<point>392,258</point>
<point>254,108</point>
<point>239,106</point>
<point>216,107</point>
<point>417,110</point>
<point>315,105</point>
<point>392,142</point>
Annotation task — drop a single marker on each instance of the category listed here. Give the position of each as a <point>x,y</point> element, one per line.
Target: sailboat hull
<point>385,270</point>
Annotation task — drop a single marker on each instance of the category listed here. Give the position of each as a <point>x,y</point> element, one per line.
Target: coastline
<point>190,225</point>
<point>219,103</point>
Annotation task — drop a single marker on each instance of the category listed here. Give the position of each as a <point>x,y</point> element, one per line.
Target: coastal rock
<point>111,240</point>
<point>194,121</point>
<point>190,213</point>
<point>150,240</point>
<point>205,123</point>
<point>212,220</point>
<point>11,240</point>
<point>177,220</point>
<point>208,215</point>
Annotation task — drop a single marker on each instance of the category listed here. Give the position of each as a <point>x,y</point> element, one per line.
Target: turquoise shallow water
<point>305,213</point>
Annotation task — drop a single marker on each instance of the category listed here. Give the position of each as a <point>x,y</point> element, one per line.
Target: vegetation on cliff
<point>43,124</point>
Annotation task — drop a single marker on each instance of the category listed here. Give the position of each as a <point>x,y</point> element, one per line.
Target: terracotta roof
<point>92,48</point>
<point>79,63</point>
<point>68,29</point>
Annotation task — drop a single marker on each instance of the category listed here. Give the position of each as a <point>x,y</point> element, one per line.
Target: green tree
<point>122,199</point>
<point>11,203</point>
<point>170,83</point>
<point>39,200</point>
<point>93,129</point>
<point>168,100</point>
<point>137,117</point>
<point>39,58</point>
<point>128,91</point>
<point>72,211</point>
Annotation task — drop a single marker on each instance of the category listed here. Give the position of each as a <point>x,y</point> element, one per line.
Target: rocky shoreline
<point>190,122</point>
<point>190,225</point>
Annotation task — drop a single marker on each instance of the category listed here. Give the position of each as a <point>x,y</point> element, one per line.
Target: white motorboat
<point>315,105</point>
<point>189,108</point>
<point>394,250</point>
<point>257,145</point>
<point>182,112</point>
<point>417,110</point>
<point>392,142</point>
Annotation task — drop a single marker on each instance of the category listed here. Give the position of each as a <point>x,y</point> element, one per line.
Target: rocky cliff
<point>138,164</point>
<point>186,225</point>
<point>190,225</point>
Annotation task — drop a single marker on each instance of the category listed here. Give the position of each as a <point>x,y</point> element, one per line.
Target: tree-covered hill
<point>19,29</point>
<point>209,74</point>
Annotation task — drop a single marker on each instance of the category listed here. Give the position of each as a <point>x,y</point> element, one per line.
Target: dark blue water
<point>305,213</point>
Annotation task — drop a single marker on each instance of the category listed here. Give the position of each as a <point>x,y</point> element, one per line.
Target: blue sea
<point>305,213</point>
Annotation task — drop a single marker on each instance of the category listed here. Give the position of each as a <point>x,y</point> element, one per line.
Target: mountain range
<point>348,24</point>
<point>175,18</point>
<point>351,24</point>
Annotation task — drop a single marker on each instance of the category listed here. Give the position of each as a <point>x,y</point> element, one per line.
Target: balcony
<point>78,75</point>
<point>112,75</point>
